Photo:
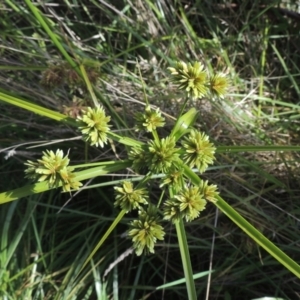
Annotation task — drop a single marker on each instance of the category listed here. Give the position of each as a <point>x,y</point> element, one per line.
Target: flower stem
<point>181,111</point>
<point>186,260</point>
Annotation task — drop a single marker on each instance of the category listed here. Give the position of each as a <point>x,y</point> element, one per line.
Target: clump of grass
<point>260,109</point>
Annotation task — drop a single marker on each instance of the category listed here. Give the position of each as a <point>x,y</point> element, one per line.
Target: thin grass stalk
<point>4,242</point>
<point>263,64</point>
<point>52,36</point>
<point>89,86</point>
<point>286,69</point>
<point>138,274</point>
<point>104,237</point>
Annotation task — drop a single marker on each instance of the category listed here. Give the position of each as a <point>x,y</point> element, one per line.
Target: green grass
<point>44,247</point>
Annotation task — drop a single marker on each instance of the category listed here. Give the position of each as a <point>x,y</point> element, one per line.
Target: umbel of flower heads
<point>163,155</point>
<point>158,155</point>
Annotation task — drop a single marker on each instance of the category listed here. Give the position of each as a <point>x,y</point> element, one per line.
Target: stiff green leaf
<point>183,123</point>
<point>250,230</point>
<point>183,280</point>
<point>43,186</point>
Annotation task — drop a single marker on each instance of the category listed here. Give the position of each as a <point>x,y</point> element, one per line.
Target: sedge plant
<point>166,155</point>
<point>175,157</point>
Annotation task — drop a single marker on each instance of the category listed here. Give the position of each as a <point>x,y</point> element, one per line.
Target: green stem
<point>186,260</point>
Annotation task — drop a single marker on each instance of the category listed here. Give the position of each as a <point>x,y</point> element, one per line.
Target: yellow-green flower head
<point>149,120</point>
<point>191,77</point>
<point>47,168</point>
<point>68,179</point>
<point>162,155</point>
<point>218,85</point>
<point>172,211</point>
<point>198,151</point>
<point>209,191</point>
<point>94,126</point>
<point>187,204</point>
<point>138,157</point>
<point>53,168</point>
<point>174,178</point>
<point>146,231</point>
<point>129,198</point>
